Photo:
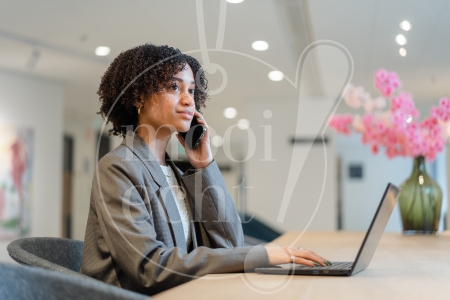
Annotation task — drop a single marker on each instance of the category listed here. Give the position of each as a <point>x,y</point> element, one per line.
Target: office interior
<point>265,131</point>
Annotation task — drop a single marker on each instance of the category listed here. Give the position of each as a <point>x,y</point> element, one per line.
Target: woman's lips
<point>186,115</point>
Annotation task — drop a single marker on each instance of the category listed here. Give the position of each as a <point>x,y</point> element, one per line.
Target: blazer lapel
<point>138,146</point>
<point>174,218</point>
<point>189,204</point>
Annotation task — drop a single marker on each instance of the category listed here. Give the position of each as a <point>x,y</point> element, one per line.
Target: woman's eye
<point>192,91</point>
<point>174,87</point>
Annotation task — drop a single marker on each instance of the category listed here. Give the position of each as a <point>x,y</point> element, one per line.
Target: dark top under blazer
<point>134,236</point>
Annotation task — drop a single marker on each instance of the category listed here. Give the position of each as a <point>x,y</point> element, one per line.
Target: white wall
<point>267,179</point>
<point>38,104</point>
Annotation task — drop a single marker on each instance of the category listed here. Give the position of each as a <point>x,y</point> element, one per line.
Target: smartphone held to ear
<point>194,135</point>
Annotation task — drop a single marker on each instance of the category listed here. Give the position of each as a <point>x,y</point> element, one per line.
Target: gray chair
<point>57,254</point>
<point>28,283</point>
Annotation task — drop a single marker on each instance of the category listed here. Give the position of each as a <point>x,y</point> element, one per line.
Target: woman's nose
<point>187,99</point>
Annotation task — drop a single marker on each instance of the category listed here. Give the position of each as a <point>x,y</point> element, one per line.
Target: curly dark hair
<point>145,69</point>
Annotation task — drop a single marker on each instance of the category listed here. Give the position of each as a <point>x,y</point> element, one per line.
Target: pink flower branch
<point>397,128</point>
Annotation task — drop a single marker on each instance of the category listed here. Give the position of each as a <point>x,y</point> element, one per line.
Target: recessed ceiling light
<point>276,75</point>
<point>102,51</point>
<point>234,1</point>
<point>230,112</point>
<point>217,141</point>
<point>405,25</point>
<point>260,45</point>
<point>401,40</point>
<point>402,52</point>
<point>243,124</point>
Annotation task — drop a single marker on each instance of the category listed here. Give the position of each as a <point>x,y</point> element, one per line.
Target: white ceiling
<point>66,33</point>
<point>368,29</point>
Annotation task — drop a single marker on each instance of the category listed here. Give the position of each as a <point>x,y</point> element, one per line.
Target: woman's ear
<point>141,101</point>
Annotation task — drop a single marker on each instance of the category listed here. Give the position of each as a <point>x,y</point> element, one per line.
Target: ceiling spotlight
<point>401,40</point>
<point>243,124</point>
<point>230,113</point>
<point>234,1</point>
<point>402,52</point>
<point>405,25</point>
<point>260,45</point>
<point>276,75</point>
<point>217,141</point>
<point>102,51</point>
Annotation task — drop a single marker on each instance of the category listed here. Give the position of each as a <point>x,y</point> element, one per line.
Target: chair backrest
<point>28,283</point>
<point>58,254</point>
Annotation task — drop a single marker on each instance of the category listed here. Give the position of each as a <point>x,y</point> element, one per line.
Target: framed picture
<point>16,163</point>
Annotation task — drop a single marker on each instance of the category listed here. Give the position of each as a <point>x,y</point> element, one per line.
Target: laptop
<point>365,253</point>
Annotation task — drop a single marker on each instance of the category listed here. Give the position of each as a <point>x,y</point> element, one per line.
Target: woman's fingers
<point>201,120</point>
<point>308,255</point>
<point>311,256</point>
<point>282,255</point>
<point>201,156</point>
<point>299,260</point>
<point>199,116</point>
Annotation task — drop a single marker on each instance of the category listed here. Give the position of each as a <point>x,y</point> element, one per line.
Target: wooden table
<point>403,267</point>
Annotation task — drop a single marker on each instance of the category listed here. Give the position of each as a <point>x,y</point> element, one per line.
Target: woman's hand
<point>201,156</point>
<point>283,255</point>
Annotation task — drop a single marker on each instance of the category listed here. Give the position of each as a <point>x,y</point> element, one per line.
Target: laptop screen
<point>376,228</point>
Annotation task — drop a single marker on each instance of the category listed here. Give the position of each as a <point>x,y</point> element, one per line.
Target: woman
<point>150,227</point>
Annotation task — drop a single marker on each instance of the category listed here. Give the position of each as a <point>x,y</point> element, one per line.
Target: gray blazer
<point>134,235</point>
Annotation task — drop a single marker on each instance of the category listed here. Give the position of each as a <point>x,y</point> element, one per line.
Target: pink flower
<point>438,145</point>
<point>445,103</point>
<point>391,152</point>
<point>431,155</point>
<point>367,120</point>
<point>341,123</point>
<point>358,124</point>
<point>431,127</point>
<point>441,112</point>
<point>386,117</point>
<point>399,119</point>
<point>369,106</point>
<point>387,83</point>
<point>374,149</point>
<point>403,102</point>
<point>436,112</point>
<point>355,97</point>
<point>379,103</point>
<point>391,138</point>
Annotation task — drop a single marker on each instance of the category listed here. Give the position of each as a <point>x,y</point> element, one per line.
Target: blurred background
<point>50,73</point>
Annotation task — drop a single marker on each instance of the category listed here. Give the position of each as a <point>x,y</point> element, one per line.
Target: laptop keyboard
<point>334,266</point>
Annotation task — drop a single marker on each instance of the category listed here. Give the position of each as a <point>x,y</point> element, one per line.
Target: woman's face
<point>173,107</point>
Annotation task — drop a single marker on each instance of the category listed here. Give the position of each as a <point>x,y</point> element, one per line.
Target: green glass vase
<point>420,201</point>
